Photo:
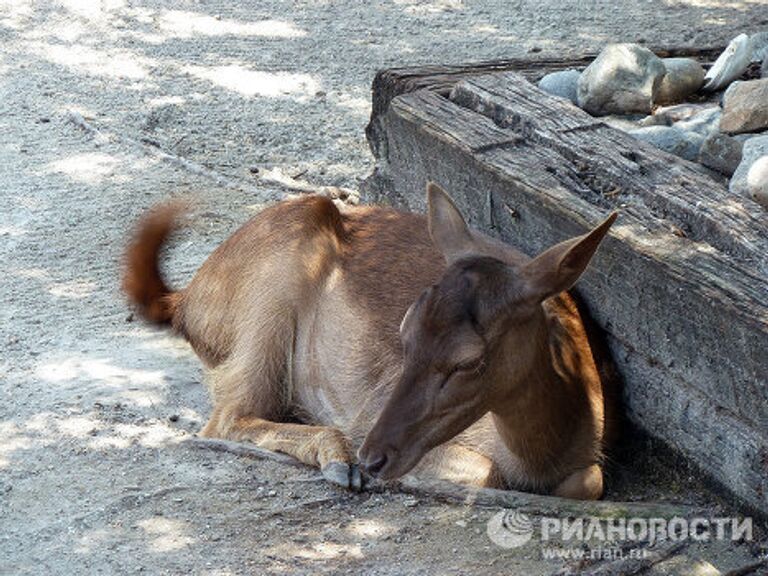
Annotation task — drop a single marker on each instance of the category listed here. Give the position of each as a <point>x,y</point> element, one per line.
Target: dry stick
<point>125,502</point>
<point>109,136</point>
<point>274,177</point>
<point>307,504</point>
<point>485,497</point>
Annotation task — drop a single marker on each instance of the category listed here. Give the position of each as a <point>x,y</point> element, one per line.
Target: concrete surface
<point>93,479</point>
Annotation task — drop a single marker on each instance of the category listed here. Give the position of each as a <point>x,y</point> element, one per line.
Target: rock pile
<point>678,106</point>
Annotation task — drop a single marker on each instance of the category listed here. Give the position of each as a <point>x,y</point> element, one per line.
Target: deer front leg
<point>584,484</point>
<point>320,446</point>
<point>247,397</point>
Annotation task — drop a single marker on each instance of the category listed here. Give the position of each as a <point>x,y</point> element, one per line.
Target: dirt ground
<point>107,107</point>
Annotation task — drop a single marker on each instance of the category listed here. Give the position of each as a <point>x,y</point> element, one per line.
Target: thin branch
<point>484,497</point>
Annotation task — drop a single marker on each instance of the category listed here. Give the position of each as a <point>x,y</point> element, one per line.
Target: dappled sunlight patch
<point>418,7</point>
<point>148,435</point>
<point>91,10</point>
<point>93,540</point>
<point>370,528</point>
<point>85,59</point>
<point>139,397</point>
<point>33,273</point>
<point>257,83</point>
<point>45,428</point>
<point>485,29</point>
<point>72,289</point>
<point>64,31</point>
<point>154,339</point>
<point>166,534</point>
<point>740,5</point>
<point>170,343</point>
<point>95,167</point>
<point>318,551</point>
<point>12,231</point>
<point>77,426</point>
<point>47,425</point>
<point>182,24</point>
<point>109,443</point>
<point>356,104</point>
<point>75,289</point>
<point>13,13</point>
<point>165,101</point>
<point>88,167</point>
<point>101,370</point>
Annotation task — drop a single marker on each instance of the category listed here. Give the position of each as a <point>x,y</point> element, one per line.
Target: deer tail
<point>143,282</point>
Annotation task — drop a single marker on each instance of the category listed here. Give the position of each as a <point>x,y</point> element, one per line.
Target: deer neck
<point>538,415</point>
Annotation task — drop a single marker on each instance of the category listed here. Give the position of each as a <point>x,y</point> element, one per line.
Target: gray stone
<point>684,77</point>
<point>759,46</point>
<point>764,68</point>
<point>655,120</point>
<point>705,122</point>
<point>721,153</point>
<point>678,142</point>
<point>624,78</point>
<point>753,149</point>
<point>745,107</point>
<point>627,123</point>
<point>679,112</point>
<point>564,84</point>
<point>731,64</point>
<point>757,181</point>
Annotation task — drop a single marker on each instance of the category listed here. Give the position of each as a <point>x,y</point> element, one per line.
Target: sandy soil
<point>94,476</point>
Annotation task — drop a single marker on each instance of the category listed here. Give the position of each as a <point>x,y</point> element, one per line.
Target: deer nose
<point>374,464</point>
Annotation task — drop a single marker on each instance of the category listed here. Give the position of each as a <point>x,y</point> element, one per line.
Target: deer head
<point>471,341</point>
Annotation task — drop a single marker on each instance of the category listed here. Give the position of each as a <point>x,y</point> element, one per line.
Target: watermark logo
<point>510,529</point>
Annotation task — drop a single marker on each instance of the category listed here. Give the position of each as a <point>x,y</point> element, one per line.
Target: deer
<point>367,339</point>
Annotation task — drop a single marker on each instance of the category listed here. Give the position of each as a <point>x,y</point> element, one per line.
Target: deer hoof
<point>343,474</point>
<point>355,478</point>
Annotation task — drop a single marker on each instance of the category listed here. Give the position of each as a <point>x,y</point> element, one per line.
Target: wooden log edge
<point>392,82</point>
<point>480,497</point>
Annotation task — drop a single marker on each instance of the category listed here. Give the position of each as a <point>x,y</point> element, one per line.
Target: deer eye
<point>473,365</point>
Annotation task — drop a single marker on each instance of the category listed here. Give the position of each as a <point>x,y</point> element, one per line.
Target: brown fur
<point>142,281</point>
<point>298,313</point>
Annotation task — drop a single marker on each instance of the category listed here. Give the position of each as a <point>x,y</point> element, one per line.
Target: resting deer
<point>432,348</point>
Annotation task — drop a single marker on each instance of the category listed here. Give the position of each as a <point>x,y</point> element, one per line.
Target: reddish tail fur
<point>142,281</point>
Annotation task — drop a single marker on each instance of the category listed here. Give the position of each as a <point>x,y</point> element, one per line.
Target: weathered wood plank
<point>687,317</point>
<point>390,83</point>
<point>600,161</point>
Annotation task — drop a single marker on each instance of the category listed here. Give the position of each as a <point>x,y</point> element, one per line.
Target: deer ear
<point>447,227</point>
<point>559,267</point>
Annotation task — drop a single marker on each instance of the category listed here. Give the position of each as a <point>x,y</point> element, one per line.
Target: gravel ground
<point>109,107</point>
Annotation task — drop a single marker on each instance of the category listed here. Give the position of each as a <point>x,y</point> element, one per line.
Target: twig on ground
<point>484,497</point>
<point>307,504</point>
<point>275,176</point>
